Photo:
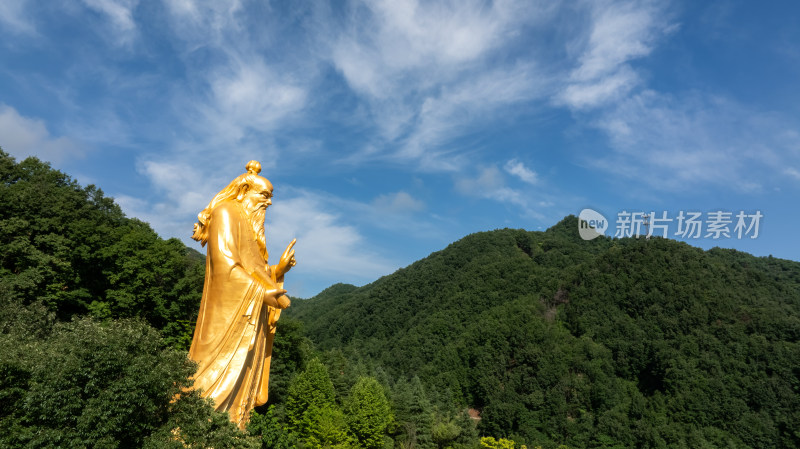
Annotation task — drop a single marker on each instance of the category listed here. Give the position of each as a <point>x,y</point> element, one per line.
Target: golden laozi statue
<point>242,297</point>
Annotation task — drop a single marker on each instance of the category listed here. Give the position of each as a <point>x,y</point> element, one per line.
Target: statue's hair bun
<point>253,167</point>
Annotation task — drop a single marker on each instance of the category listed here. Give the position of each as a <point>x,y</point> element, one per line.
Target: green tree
<point>502,443</point>
<point>269,429</point>
<point>310,388</point>
<point>368,412</point>
<point>326,427</point>
<point>413,414</point>
<point>100,384</point>
<point>444,432</point>
<point>73,249</point>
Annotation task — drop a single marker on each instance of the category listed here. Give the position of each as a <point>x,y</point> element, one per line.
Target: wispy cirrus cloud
<point>249,95</point>
<point>677,141</point>
<point>233,101</point>
<point>15,18</point>
<point>421,67</point>
<point>408,40</point>
<point>452,111</point>
<point>620,32</point>
<point>235,96</point>
<point>120,17</point>
<point>697,140</point>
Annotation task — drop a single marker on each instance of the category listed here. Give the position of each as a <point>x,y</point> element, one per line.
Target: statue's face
<point>258,197</point>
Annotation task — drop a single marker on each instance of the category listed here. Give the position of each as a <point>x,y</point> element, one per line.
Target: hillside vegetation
<point>606,343</point>
<point>72,249</point>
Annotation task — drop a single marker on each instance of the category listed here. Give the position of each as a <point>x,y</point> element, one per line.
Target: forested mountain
<point>73,249</point>
<point>547,339</point>
<point>605,343</point>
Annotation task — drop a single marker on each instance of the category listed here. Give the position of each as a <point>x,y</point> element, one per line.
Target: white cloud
<point>23,136</point>
<point>522,172</point>
<point>14,16</point>
<point>666,142</point>
<point>181,189</point>
<point>235,97</point>
<point>490,184</point>
<point>398,203</point>
<point>387,42</point>
<point>583,95</point>
<point>120,16</point>
<point>459,106</point>
<point>205,22</point>
<point>253,96</point>
<point>174,177</point>
<point>621,31</point>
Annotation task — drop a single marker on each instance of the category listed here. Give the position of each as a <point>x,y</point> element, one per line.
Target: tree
<point>413,414</point>
<point>100,384</point>
<point>326,427</point>
<point>269,429</point>
<point>502,443</point>
<point>310,388</point>
<point>368,412</point>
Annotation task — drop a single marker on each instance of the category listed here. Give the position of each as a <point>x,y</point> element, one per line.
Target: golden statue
<point>242,297</point>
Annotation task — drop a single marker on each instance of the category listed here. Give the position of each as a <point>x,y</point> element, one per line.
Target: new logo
<point>591,224</point>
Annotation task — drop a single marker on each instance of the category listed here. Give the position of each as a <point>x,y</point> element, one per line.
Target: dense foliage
<point>606,343</point>
<point>86,383</point>
<point>75,251</point>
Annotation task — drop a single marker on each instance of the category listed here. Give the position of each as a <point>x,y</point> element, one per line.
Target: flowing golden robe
<point>233,338</point>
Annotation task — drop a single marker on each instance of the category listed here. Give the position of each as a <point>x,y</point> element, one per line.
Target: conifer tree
<point>368,412</point>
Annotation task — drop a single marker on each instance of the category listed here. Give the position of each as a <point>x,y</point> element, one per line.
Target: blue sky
<point>392,128</point>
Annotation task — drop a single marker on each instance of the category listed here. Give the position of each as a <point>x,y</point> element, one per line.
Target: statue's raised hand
<point>287,260</point>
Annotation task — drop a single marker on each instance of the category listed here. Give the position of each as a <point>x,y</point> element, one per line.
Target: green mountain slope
<point>554,339</point>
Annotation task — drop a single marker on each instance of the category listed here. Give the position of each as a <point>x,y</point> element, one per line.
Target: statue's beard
<point>256,219</point>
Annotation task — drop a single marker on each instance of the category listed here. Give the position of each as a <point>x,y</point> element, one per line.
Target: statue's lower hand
<point>283,302</point>
<point>277,298</point>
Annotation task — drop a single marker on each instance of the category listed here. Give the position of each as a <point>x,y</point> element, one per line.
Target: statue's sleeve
<point>230,291</point>
<point>226,248</point>
<point>230,279</point>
